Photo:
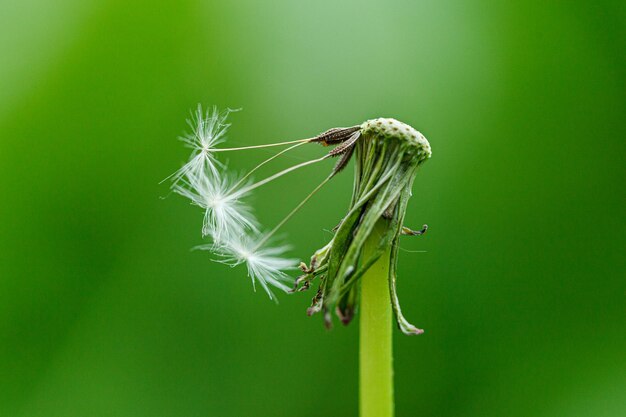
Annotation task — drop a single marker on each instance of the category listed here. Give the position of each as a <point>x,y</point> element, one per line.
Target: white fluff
<point>228,221</point>
<point>208,129</point>
<point>225,215</point>
<point>265,264</point>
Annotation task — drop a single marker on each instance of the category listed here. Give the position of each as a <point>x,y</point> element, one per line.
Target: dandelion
<point>388,155</point>
<point>356,269</point>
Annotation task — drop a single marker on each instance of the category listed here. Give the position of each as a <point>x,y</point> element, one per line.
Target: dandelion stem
<point>292,212</point>
<point>267,145</point>
<point>265,162</point>
<point>375,351</point>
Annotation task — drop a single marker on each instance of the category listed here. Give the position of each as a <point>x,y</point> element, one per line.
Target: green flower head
<point>387,155</point>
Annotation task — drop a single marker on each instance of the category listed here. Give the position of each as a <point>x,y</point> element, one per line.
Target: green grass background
<point>104,311</point>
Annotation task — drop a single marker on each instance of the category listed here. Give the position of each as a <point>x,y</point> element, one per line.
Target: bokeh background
<point>519,283</point>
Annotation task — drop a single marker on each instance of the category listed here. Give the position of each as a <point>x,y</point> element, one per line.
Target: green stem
<point>375,352</point>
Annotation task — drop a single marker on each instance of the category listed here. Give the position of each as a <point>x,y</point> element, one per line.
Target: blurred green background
<point>104,310</point>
